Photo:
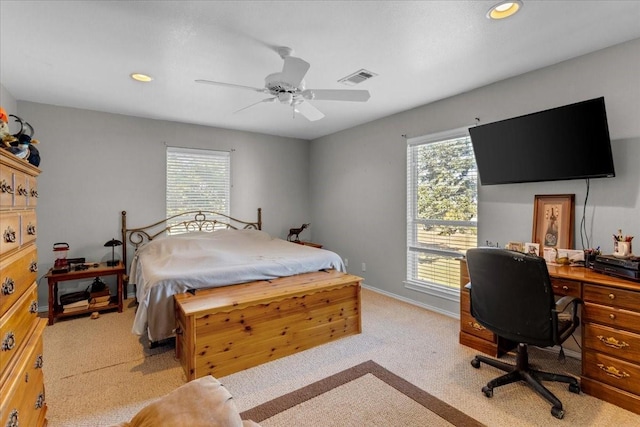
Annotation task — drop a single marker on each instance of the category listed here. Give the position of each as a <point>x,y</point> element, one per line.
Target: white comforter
<point>174,264</point>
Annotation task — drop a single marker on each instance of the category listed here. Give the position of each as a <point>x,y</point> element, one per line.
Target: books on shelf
<point>75,306</point>
<point>100,304</point>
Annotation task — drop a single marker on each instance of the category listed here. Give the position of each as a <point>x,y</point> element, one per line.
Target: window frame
<point>413,249</point>
<point>221,184</point>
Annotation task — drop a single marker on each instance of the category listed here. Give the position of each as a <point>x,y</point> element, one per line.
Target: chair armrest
<point>563,303</point>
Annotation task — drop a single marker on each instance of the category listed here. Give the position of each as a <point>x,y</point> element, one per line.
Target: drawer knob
<point>34,193</point>
<point>613,372</point>
<point>9,341</point>
<point>33,267</point>
<point>33,308</point>
<point>612,342</point>
<point>39,401</point>
<point>22,191</point>
<point>8,286</point>
<point>6,188</point>
<point>26,377</point>
<point>9,235</point>
<point>565,288</point>
<point>612,316</point>
<point>31,229</point>
<point>13,421</point>
<point>39,362</point>
<point>477,326</point>
<point>612,296</point>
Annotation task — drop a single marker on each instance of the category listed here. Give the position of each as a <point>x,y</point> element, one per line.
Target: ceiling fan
<point>288,87</point>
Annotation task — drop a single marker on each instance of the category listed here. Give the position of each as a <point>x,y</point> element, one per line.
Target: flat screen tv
<point>562,143</point>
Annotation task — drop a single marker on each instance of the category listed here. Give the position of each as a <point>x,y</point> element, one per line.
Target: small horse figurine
<point>295,232</point>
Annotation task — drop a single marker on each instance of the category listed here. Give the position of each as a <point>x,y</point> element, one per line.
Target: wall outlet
<point>364,266</point>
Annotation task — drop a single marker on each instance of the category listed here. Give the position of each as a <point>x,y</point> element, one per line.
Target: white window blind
<point>197,180</point>
<point>441,210</point>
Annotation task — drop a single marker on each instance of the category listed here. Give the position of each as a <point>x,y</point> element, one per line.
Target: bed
<point>212,250</point>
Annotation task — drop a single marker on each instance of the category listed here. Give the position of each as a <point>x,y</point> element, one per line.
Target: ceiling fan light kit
<point>288,87</point>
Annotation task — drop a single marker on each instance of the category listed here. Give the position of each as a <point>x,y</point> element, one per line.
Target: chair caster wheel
<point>574,388</point>
<point>487,391</point>
<point>475,363</point>
<point>557,412</point>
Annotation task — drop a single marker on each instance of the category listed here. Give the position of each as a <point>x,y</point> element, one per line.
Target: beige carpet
<point>366,394</point>
<point>97,373</point>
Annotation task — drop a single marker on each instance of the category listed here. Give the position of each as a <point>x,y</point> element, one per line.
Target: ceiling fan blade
<point>274,99</point>
<point>310,112</point>
<point>294,70</point>
<point>209,82</point>
<point>336,95</point>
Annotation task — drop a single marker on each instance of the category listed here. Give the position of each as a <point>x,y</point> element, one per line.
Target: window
<point>197,180</point>
<point>442,198</point>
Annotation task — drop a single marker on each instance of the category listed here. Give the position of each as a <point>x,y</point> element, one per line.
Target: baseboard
<point>413,302</point>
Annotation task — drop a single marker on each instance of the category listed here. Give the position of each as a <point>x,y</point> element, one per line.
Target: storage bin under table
<point>227,329</point>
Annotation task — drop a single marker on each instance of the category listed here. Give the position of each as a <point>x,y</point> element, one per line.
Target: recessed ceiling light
<point>504,9</point>
<point>141,77</point>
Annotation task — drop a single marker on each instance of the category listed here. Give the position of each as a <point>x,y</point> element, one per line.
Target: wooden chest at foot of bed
<point>227,329</point>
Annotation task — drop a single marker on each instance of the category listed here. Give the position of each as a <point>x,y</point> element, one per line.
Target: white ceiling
<point>80,53</point>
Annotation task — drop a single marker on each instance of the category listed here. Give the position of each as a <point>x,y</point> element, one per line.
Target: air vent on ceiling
<point>357,77</point>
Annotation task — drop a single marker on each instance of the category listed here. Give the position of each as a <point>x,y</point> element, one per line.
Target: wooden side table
<point>55,309</point>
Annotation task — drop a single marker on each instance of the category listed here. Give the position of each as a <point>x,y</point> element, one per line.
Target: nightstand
<point>55,310</point>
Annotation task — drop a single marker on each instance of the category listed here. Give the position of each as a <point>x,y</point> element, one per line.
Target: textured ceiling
<point>80,53</point>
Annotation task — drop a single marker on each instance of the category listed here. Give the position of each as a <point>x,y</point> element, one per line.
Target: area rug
<point>364,395</point>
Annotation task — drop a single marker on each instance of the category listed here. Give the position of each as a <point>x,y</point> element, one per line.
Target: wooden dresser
<point>22,398</point>
<point>610,331</point>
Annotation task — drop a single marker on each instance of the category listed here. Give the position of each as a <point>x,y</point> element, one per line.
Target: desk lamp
<point>113,243</point>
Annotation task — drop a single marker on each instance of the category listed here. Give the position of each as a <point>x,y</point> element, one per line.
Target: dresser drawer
<point>16,325</point>
<point>7,189</point>
<point>618,298</point>
<point>28,227</point>
<point>22,392</point>
<point>471,326</point>
<point>21,196</point>
<point>611,371</point>
<point>10,231</point>
<point>32,198</point>
<point>614,317</point>
<point>566,287</point>
<point>17,273</point>
<point>615,342</point>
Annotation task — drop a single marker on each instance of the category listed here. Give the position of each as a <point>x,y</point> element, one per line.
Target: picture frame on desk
<point>553,219</point>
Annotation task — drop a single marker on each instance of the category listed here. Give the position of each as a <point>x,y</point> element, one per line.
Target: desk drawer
<point>610,316</point>
<point>566,287</point>
<point>618,298</point>
<point>612,371</point>
<point>617,343</point>
<point>471,326</point>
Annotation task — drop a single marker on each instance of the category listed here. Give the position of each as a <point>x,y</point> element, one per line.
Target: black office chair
<point>511,295</point>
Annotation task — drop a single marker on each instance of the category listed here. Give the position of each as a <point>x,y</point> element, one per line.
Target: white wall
<point>7,101</point>
<point>358,176</point>
<point>94,165</point>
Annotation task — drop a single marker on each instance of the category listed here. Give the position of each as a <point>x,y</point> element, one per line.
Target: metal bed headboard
<point>196,221</point>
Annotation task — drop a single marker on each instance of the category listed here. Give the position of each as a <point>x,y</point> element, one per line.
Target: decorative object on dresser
<point>22,397</point>
<point>296,232</point>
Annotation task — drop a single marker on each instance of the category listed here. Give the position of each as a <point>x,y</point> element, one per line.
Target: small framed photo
<point>532,249</point>
<point>515,246</point>
<point>553,217</point>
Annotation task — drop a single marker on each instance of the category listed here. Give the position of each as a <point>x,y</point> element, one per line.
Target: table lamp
<point>113,243</point>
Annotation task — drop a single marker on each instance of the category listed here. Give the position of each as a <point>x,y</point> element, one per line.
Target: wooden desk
<point>610,331</point>
<point>55,310</point>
